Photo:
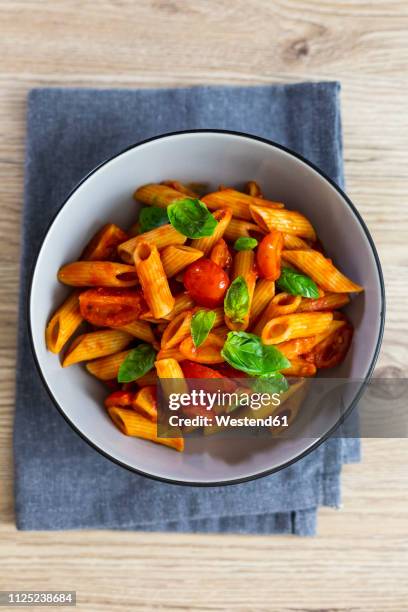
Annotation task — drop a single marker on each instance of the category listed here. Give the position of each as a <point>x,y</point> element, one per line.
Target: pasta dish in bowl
<point>221,276</point>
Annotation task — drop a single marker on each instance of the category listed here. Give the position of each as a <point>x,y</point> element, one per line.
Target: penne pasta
<point>288,327</point>
<point>223,217</point>
<point>103,245</point>
<point>177,257</point>
<point>156,194</point>
<point>145,401</point>
<point>141,330</point>
<point>208,352</point>
<point>253,189</point>
<point>281,304</point>
<point>133,424</point>
<point>107,368</point>
<point>329,301</point>
<point>186,189</point>
<point>285,221</point>
<point>160,237</point>
<point>170,353</point>
<point>299,367</point>
<point>177,330</point>
<point>238,228</point>
<point>263,294</point>
<point>244,266</point>
<point>96,344</point>
<point>236,200</point>
<point>153,279</point>
<point>168,368</point>
<point>321,270</point>
<point>300,346</point>
<point>64,322</point>
<point>97,274</point>
<point>294,242</point>
<point>182,301</point>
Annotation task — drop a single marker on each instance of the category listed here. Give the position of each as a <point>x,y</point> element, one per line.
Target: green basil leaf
<point>139,361</point>
<point>201,325</point>
<point>246,352</point>
<point>271,383</point>
<point>297,284</point>
<point>151,217</point>
<point>236,301</point>
<point>245,243</point>
<point>191,217</point>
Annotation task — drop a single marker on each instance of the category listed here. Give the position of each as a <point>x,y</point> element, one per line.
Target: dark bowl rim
<point>354,402</point>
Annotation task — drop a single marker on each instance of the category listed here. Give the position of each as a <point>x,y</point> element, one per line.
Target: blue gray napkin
<point>60,482</point>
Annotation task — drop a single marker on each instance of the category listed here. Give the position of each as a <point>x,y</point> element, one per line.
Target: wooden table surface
<point>359,560</point>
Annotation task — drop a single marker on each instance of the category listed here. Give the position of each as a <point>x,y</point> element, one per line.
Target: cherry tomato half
<point>206,282</point>
<point>107,307</point>
<point>268,255</point>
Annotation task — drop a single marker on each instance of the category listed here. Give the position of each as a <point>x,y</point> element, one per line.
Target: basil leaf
<point>139,361</point>
<point>271,383</point>
<point>297,284</point>
<point>151,217</point>
<point>245,243</point>
<point>246,352</point>
<point>191,217</point>
<point>236,301</point>
<point>201,325</point>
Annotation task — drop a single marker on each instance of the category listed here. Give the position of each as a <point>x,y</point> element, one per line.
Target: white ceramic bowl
<point>211,157</point>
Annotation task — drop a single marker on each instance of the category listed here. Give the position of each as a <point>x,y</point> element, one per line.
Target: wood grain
<point>359,561</point>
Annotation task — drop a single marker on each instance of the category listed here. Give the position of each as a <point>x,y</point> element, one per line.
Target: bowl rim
<point>363,385</point>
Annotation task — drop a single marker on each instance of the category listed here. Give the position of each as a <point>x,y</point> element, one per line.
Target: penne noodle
<point>156,194</point>
<point>171,353</point>
<point>98,274</point>
<point>294,242</point>
<point>299,367</point>
<point>244,265</point>
<point>103,245</point>
<point>161,237</point>
<point>329,301</point>
<point>286,221</point>
<point>177,257</point>
<point>208,352</point>
<point>237,228</point>
<point>63,323</point>
<point>223,217</point>
<point>182,301</point>
<point>153,279</point>
<point>186,189</point>
<point>96,344</point>
<point>133,424</point>
<point>236,200</point>
<point>281,304</point>
<point>146,401</point>
<point>302,325</point>
<point>253,189</point>
<point>107,368</point>
<point>300,346</point>
<point>141,330</point>
<point>177,330</point>
<point>168,368</point>
<point>321,270</point>
<point>263,294</point>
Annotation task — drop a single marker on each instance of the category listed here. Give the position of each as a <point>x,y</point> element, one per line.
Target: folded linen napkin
<point>62,483</point>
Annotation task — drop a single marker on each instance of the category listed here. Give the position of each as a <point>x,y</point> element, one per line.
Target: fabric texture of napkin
<point>62,483</point>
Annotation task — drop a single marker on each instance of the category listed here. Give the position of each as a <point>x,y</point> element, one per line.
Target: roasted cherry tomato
<point>111,307</point>
<point>120,398</point>
<point>206,282</point>
<point>268,255</point>
<point>332,350</point>
<point>196,370</point>
<point>220,254</point>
